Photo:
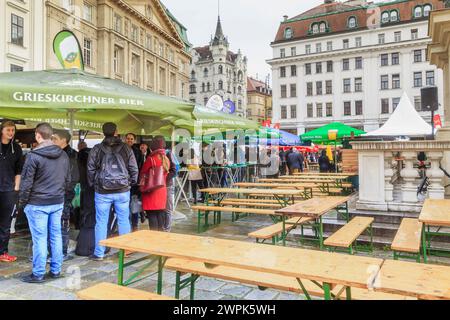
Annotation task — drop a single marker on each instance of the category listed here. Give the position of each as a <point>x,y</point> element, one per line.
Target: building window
<point>394,16</point>
<point>87,11</point>
<point>323,27</point>
<point>205,73</point>
<point>426,10</point>
<point>293,90</point>
<point>384,82</point>
<point>346,64</point>
<point>16,30</point>
<point>283,112</point>
<point>329,66</point>
<point>134,33</point>
<point>384,60</point>
<point>329,46</point>
<point>308,49</point>
<point>309,110</point>
<point>293,112</point>
<point>347,108</point>
<point>293,51</point>
<point>67,5</point>
<point>117,60</point>
<point>418,12</point>
<point>395,58</point>
<point>308,68</point>
<point>283,91</point>
<point>293,71</point>
<point>282,53</point>
<point>358,42</point>
<point>319,90</point>
<point>309,89</point>
<point>417,55</point>
<point>319,110</point>
<point>192,89</point>
<point>430,78</point>
<point>220,69</point>
<point>135,68</point>
<point>385,17</point>
<point>414,34</point>
<point>205,101</point>
<point>318,47</point>
<point>282,72</point>
<point>347,85</point>
<point>395,102</point>
<point>117,23</point>
<point>87,50</point>
<point>351,23</point>
<point>14,68</point>
<point>329,87</point>
<point>358,85</point>
<point>417,79</point>
<point>395,81</point>
<point>381,38</point>
<point>288,33</point>
<point>398,36</point>
<point>148,42</point>
<point>358,63</point>
<point>418,103</point>
<point>220,85</point>
<point>208,87</point>
<point>319,67</point>
<point>345,43</point>
<point>329,109</point>
<point>358,108</point>
<point>384,106</point>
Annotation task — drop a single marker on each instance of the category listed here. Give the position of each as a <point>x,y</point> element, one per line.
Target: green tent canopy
<point>76,99</point>
<point>320,135</point>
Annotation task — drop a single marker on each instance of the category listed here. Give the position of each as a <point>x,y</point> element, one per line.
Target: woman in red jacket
<point>154,203</point>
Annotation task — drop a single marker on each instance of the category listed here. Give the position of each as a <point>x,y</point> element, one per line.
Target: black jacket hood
<point>50,152</point>
<point>112,141</point>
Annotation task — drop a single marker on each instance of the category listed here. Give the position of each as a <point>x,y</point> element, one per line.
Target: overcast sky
<point>250,25</point>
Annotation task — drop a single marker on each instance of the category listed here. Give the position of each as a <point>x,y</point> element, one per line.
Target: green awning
<point>320,135</point>
<point>62,97</point>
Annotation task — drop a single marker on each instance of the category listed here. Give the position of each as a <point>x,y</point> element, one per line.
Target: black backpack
<point>113,175</point>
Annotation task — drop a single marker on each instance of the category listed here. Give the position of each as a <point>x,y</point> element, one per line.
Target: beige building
<point>22,37</point>
<point>259,100</point>
<point>135,41</point>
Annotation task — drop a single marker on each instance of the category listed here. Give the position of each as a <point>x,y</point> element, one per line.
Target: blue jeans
<point>45,222</point>
<point>103,203</point>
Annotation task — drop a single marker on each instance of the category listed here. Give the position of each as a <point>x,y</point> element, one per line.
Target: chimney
<point>285,18</point>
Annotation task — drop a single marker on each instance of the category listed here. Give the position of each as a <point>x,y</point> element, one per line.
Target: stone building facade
<point>217,70</point>
<point>259,100</point>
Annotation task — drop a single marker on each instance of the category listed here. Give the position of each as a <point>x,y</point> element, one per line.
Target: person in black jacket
<point>112,169</point>
<point>62,139</point>
<point>10,169</point>
<point>45,177</point>
<point>324,162</point>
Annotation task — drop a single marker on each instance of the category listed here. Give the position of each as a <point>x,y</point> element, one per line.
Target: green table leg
<point>320,233</point>
<point>283,234</point>
<point>424,244</point>
<point>348,293</point>
<point>326,291</point>
<point>121,266</point>
<point>161,262</point>
<point>177,285</point>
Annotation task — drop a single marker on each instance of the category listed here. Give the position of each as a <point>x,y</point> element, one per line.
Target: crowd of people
<point>111,176</point>
<point>294,161</point>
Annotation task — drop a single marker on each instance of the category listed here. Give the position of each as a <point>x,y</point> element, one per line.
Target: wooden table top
<point>316,265</point>
<point>295,180</point>
<point>280,192</point>
<point>314,207</point>
<point>424,281</point>
<point>324,174</point>
<point>436,213</point>
<point>275,185</point>
<point>314,178</point>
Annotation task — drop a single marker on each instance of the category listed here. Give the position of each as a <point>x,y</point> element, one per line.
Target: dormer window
<point>418,12</point>
<point>426,10</point>
<point>288,33</point>
<point>385,17</point>
<point>323,27</point>
<point>352,23</point>
<point>315,29</point>
<point>394,16</point>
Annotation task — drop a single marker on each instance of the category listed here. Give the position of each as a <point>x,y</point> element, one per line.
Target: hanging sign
<point>229,107</point>
<point>215,103</point>
<point>68,51</point>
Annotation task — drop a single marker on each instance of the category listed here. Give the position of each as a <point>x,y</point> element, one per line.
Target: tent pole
<point>71,120</point>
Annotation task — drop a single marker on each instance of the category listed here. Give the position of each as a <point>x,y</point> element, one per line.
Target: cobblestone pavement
<point>82,273</point>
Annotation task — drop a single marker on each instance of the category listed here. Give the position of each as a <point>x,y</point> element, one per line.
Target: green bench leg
<point>326,291</point>
<point>348,293</point>
<point>199,222</point>
<point>161,263</point>
<point>121,267</point>
<point>177,285</point>
<point>192,293</point>
<point>424,245</point>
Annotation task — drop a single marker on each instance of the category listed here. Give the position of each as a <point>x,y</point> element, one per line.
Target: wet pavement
<point>80,272</point>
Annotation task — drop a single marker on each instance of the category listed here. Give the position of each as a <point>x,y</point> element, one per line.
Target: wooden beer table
<point>422,281</point>
<point>314,208</point>
<point>306,187</point>
<point>325,269</point>
<point>435,213</point>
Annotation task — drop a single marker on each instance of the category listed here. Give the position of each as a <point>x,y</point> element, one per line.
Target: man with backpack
<point>112,169</point>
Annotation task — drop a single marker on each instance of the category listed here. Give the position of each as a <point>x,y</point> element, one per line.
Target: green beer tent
<point>75,99</point>
<point>320,135</point>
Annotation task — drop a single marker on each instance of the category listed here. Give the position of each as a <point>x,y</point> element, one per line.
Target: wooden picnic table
<point>435,213</point>
<point>306,187</point>
<point>325,269</point>
<point>324,174</point>
<point>336,180</point>
<point>282,195</point>
<point>314,208</point>
<point>423,281</point>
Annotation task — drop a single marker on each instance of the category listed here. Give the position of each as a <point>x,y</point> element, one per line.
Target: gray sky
<point>250,25</point>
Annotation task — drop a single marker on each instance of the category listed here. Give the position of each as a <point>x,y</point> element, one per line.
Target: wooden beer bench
<point>109,291</point>
<point>347,236</point>
<point>407,241</point>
